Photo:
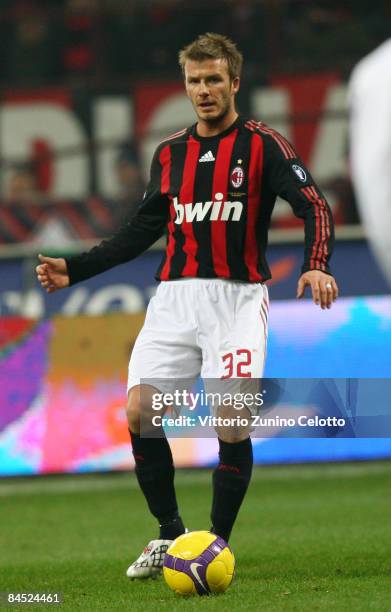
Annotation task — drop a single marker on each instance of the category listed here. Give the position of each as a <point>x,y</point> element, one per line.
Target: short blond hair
<point>213,46</point>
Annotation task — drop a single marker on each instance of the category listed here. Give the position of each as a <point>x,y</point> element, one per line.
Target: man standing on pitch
<point>370,148</point>
<point>213,187</point>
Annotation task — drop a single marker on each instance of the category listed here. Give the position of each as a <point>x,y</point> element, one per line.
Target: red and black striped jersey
<point>214,197</point>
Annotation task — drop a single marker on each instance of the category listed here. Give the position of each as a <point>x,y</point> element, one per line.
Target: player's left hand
<point>323,286</point>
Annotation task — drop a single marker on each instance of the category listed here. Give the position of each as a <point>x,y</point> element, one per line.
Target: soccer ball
<point>200,563</point>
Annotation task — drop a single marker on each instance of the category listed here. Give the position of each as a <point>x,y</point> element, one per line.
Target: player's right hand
<point>52,273</point>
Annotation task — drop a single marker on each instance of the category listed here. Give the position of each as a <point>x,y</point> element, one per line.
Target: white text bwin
<point>214,211</point>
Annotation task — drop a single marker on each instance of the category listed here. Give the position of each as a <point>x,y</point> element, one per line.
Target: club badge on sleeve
<point>300,172</point>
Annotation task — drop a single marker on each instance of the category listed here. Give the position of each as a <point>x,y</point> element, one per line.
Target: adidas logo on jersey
<point>214,211</point>
<point>207,157</point>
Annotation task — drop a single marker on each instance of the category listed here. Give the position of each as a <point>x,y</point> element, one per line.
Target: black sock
<point>172,529</point>
<point>155,475</point>
<point>230,482</point>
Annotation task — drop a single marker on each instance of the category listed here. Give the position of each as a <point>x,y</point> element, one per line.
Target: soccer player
<point>370,148</point>
<point>212,187</point>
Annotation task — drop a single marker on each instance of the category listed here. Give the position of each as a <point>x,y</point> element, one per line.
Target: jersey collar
<point>193,131</point>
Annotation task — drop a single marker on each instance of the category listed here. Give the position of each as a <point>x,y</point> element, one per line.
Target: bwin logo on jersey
<point>298,170</point>
<point>214,211</point>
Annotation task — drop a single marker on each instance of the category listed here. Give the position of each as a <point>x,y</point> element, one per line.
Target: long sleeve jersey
<point>214,197</point>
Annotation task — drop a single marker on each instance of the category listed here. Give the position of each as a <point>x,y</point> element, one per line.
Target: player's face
<point>210,89</point>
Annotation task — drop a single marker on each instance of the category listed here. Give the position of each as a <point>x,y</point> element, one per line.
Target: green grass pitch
<point>315,537</point>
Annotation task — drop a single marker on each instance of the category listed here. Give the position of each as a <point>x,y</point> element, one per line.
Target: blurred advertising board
<point>63,387</point>
<point>128,288</point>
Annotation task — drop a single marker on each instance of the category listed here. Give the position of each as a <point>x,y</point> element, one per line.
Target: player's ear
<point>235,85</point>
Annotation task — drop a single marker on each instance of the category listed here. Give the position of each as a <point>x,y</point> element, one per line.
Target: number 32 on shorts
<point>237,364</point>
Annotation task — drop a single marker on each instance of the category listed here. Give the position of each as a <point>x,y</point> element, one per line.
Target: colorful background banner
<point>63,381</point>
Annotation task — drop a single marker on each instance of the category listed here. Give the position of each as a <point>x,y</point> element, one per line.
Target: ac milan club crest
<point>237,177</point>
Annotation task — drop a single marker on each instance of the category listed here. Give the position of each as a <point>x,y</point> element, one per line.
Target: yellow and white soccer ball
<point>199,562</point>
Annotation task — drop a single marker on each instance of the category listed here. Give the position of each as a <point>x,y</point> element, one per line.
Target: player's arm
<point>131,239</point>
<point>292,181</point>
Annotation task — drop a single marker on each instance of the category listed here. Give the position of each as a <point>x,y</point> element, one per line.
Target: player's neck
<point>205,128</point>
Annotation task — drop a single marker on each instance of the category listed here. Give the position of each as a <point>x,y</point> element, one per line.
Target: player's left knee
<point>232,436</point>
<point>233,426</point>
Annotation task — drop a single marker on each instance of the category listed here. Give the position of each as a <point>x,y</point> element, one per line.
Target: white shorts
<point>209,327</point>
